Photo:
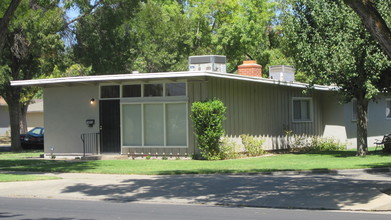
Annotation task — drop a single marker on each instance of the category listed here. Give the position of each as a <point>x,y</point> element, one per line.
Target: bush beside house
<point>208,120</point>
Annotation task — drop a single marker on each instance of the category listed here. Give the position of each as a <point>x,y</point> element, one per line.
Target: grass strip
<point>24,177</point>
<point>278,162</point>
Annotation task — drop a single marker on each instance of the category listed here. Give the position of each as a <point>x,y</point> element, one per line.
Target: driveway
<point>339,190</point>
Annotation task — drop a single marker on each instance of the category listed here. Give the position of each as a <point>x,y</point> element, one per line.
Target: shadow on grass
<point>339,154</point>
<point>47,166</point>
<point>129,167</point>
<point>20,162</point>
<point>37,151</point>
<point>344,154</point>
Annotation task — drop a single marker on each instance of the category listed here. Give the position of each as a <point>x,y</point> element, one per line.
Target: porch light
<point>92,101</point>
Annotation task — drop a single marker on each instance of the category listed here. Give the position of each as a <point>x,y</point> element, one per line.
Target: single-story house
<point>34,116</point>
<point>150,112</point>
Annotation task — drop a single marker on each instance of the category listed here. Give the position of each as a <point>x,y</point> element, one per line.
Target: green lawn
<point>24,177</point>
<point>8,159</point>
<point>279,162</point>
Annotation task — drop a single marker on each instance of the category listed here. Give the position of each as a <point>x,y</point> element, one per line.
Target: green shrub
<point>326,144</point>
<point>228,149</point>
<point>252,146</point>
<point>299,143</point>
<point>208,120</point>
<point>197,156</point>
<point>303,143</point>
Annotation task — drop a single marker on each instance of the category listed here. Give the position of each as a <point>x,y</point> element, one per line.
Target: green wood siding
<point>264,110</point>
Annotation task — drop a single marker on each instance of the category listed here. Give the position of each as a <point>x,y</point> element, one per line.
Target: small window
<point>152,90</point>
<point>176,89</point>
<point>302,109</point>
<point>354,110</point>
<point>131,91</point>
<point>388,108</point>
<point>109,91</point>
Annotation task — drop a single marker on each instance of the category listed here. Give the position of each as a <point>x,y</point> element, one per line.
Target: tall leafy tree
<point>33,42</point>
<point>163,38</point>
<point>374,20</point>
<point>7,14</point>
<point>240,30</point>
<point>105,36</point>
<point>329,44</point>
<point>244,34</point>
<point>206,19</point>
<point>157,35</point>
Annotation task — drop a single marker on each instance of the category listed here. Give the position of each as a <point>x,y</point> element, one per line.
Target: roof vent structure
<point>213,63</point>
<point>282,73</point>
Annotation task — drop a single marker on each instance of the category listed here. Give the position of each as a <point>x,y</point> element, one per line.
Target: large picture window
<point>154,125</point>
<point>302,109</point>
<point>176,124</point>
<point>153,114</point>
<point>131,125</point>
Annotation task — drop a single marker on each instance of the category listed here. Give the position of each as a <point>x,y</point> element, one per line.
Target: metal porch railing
<point>90,143</point>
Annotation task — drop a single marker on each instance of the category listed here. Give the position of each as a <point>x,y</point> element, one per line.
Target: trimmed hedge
<point>208,120</point>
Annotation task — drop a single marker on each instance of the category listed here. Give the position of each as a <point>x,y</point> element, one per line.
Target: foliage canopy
<point>329,44</point>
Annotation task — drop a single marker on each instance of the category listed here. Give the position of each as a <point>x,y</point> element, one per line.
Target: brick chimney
<point>250,68</point>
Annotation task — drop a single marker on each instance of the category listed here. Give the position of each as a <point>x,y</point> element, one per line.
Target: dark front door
<point>109,115</point>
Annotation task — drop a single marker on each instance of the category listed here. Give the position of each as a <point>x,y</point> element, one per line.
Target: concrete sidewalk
<point>338,190</point>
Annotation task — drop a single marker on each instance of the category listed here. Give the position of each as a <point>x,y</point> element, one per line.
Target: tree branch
<point>4,22</point>
<point>373,22</point>
<point>88,12</point>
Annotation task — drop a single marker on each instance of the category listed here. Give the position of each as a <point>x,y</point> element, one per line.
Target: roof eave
<point>166,75</point>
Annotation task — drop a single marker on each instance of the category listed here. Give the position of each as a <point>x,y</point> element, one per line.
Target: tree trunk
<point>362,127</point>
<point>373,22</point>
<point>14,113</point>
<point>23,118</point>
<point>4,22</point>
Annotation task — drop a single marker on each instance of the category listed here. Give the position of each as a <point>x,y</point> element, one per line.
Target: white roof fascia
<point>102,78</point>
<point>148,76</point>
<point>272,81</point>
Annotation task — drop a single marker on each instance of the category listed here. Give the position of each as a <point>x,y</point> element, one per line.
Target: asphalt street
<point>43,209</point>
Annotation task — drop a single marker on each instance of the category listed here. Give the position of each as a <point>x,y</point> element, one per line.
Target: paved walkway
<point>343,190</point>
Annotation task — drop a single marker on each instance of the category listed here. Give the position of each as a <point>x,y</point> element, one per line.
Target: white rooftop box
<point>212,63</point>
<point>282,73</point>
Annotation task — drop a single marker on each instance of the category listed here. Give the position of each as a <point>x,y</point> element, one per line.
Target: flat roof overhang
<point>118,78</point>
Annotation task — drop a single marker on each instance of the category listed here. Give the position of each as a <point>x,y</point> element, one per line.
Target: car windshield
<point>36,131</point>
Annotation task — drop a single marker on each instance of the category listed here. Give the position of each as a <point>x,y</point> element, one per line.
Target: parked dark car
<point>33,138</point>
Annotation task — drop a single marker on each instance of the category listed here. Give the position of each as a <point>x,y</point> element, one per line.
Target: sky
<point>72,13</point>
